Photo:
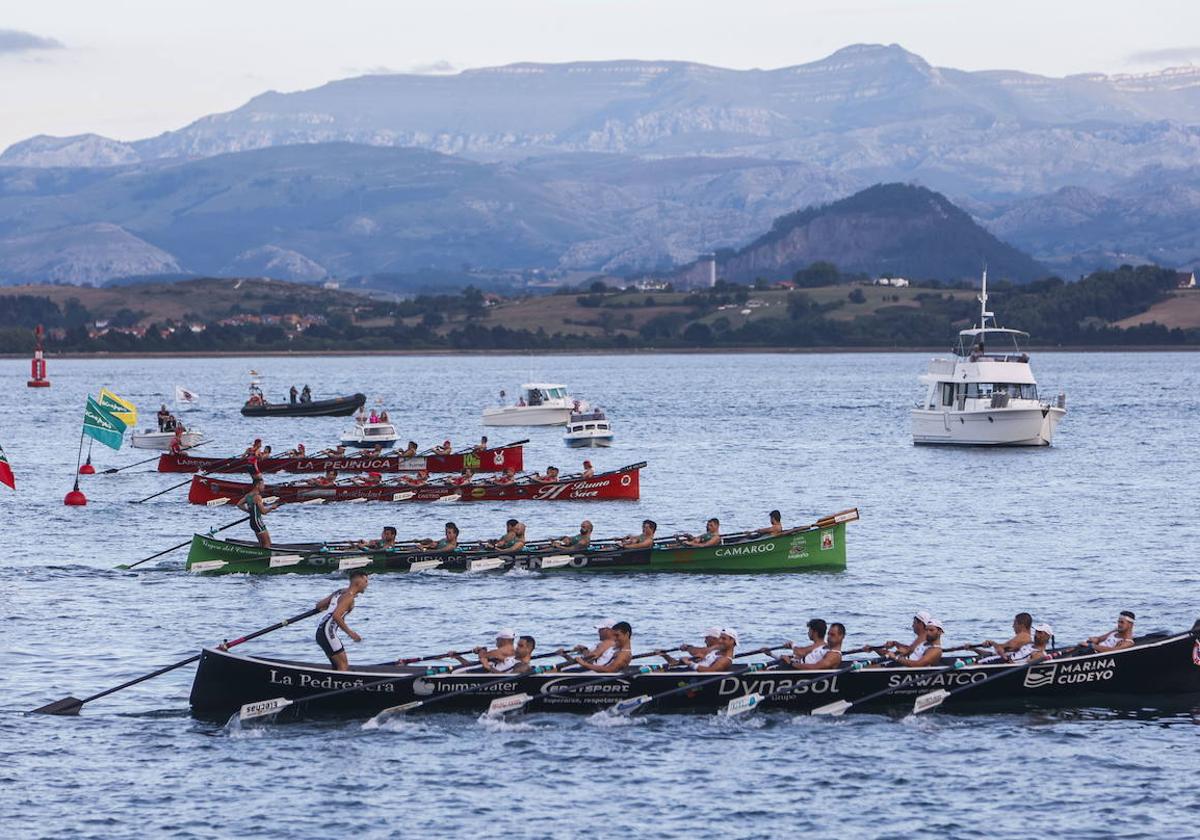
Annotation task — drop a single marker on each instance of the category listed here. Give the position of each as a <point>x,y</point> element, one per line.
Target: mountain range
<point>609,166</point>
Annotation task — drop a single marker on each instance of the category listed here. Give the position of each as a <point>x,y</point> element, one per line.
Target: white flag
<point>185,397</point>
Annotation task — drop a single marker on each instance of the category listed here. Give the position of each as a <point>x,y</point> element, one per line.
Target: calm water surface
<point>1102,521</point>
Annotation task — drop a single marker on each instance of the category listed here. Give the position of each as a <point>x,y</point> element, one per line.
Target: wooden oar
<point>840,707</point>
<point>112,470</point>
<point>181,545</point>
<point>932,699</point>
<point>750,702</point>
<point>72,705</point>
<point>628,707</point>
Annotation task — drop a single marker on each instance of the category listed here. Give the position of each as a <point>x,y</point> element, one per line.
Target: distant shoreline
<point>646,351</point>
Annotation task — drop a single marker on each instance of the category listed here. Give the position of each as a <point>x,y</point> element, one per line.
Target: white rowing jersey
<point>333,602</point>
<point>506,664</point>
<point>607,656</point>
<point>709,659</point>
<point>1110,641</point>
<point>1023,652</point>
<point>815,655</point>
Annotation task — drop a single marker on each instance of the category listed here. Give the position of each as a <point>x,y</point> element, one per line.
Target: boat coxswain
<point>710,537</point>
<point>252,449</point>
<point>1022,638</point>
<point>337,606</point>
<point>1122,637</point>
<point>505,649</point>
<point>718,658</point>
<point>253,504</point>
<point>579,542</point>
<point>823,652</point>
<point>643,540</point>
<point>614,658</point>
<point>447,543</point>
<point>925,653</point>
<point>776,526</point>
<point>386,540</point>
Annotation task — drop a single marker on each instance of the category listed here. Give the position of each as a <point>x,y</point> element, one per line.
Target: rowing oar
<point>72,705</point>
<point>181,545</point>
<point>750,702</point>
<point>930,700</point>
<point>503,705</point>
<point>215,467</point>
<point>112,470</point>
<point>274,706</point>
<point>628,707</point>
<point>840,707</point>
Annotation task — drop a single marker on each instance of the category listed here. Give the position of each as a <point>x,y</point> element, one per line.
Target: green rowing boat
<point>820,546</point>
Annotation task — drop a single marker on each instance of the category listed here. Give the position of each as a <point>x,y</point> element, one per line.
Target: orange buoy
<point>37,366</point>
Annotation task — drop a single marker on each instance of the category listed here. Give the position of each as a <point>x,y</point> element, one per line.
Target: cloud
<point>1170,55</point>
<point>16,41</point>
<point>433,68</point>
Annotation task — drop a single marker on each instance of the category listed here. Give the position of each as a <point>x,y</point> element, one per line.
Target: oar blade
<point>555,562</point>
<point>65,706</point>
<point>217,502</point>
<point>263,708</point>
<point>486,564</point>
<point>503,705</point>
<point>391,712</point>
<point>628,707</point>
<point>402,497</point>
<point>742,705</point>
<point>930,700</point>
<point>449,497</point>
<point>423,565</point>
<point>836,708</point>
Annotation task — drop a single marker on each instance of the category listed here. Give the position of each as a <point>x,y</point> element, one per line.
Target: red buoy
<point>37,368</point>
<point>75,498</point>
<point>87,469</point>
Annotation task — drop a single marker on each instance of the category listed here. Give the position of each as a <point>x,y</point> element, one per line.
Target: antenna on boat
<point>983,296</point>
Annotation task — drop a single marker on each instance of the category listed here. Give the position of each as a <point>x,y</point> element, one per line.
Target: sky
<point>129,69</point>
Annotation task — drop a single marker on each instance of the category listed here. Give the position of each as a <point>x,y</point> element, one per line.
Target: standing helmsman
<point>253,504</point>
<point>337,606</point>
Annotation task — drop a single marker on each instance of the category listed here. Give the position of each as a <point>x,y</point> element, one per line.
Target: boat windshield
<point>986,390</point>
<point>995,344</point>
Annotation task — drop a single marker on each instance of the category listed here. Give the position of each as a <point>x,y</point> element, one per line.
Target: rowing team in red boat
<point>256,451</point>
<point>822,651</point>
<point>466,478</point>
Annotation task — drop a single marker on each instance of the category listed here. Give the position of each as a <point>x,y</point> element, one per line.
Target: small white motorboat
<point>370,434</point>
<point>539,404</point>
<point>154,439</point>
<point>588,429</point>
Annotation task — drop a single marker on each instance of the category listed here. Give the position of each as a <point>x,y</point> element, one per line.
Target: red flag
<point>6,473</point>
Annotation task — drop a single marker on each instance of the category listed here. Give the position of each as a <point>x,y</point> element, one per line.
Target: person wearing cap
<point>579,542</point>
<point>444,449</point>
<point>1122,637</point>
<point>504,651</point>
<point>449,542</point>
<point>604,631</point>
<point>588,472</point>
<point>718,658</point>
<point>776,526</point>
<point>616,657</point>
<point>918,626</point>
<point>925,653</point>
<point>1043,634</point>
<point>509,476</point>
<point>386,540</point>
<point>643,540</point>
<point>824,650</point>
<point>1022,636</point>
<point>710,537</point>
<point>369,480</point>
<point>712,637</point>
<point>518,663</point>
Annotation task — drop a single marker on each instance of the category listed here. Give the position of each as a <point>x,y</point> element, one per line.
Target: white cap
<point>712,632</point>
<point>934,622</point>
<point>1043,628</point>
<point>606,624</point>
<point>506,633</point>
<point>923,616</point>
<point>730,632</point>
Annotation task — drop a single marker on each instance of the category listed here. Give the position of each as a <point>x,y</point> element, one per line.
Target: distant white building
<point>650,284</point>
<point>895,282</point>
<point>1185,279</point>
<point>331,284</point>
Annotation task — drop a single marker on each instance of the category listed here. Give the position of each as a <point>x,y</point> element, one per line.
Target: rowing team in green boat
<point>513,652</point>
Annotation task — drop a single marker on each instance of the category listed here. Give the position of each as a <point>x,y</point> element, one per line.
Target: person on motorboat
<point>1122,637</point>
<point>776,526</point>
<point>642,540</point>
<point>604,631</point>
<point>1022,637</point>
<point>306,395</point>
<point>409,451</point>
<point>163,416</point>
<point>918,627</point>
<point>710,537</point>
<point>588,471</point>
<point>386,540</point>
<point>337,606</point>
<point>374,417</point>
<point>509,476</point>
<point>825,650</point>
<point>360,416</point>
<point>548,477</point>
<point>928,652</point>
<point>253,504</point>
<point>481,446</point>
<point>463,479</point>
<point>579,542</point>
<point>447,543</point>
<point>293,394</point>
<point>718,658</point>
<point>383,416</point>
<point>418,480</point>
<point>505,649</point>
<point>444,449</point>
<point>616,657</point>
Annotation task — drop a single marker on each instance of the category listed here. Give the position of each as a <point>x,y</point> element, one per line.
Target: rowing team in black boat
<point>613,652</point>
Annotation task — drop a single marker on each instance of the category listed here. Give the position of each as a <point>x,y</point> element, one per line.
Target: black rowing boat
<point>1157,672</point>
<point>336,407</point>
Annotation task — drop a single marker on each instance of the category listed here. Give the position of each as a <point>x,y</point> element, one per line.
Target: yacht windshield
<point>985,390</point>
<point>992,344</point>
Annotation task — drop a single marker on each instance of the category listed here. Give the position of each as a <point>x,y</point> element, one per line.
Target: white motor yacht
<point>154,439</point>
<point>588,429</point>
<point>538,404</point>
<point>370,434</point>
<point>986,395</point>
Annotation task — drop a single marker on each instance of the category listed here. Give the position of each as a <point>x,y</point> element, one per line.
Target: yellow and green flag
<point>119,407</point>
<point>102,425</point>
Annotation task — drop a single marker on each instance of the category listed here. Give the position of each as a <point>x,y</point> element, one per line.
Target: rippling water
<point>1102,521</point>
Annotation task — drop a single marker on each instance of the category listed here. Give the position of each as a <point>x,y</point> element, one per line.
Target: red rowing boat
<point>617,484</point>
<point>497,459</point>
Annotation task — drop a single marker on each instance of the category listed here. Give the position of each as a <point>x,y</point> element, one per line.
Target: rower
<point>588,472</point>
<point>614,658</point>
<point>718,658</point>
<point>1022,637</point>
<point>337,606</point>
<point>327,480</point>
<point>298,452</point>
<point>926,653</point>
<point>579,542</point>
<point>333,452</point>
<point>369,480</point>
<point>504,649</point>
<point>509,538</point>
<point>419,480</point>
<point>253,504</point>
<point>643,540</point>
<point>444,449</point>
<point>519,663</point>
<point>710,537</point>
<point>409,451</point>
<point>463,479</point>
<point>481,446</point>
<point>548,477</point>
<point>824,653</point>
<point>604,631</point>
<point>1122,637</point>
<point>386,540</point>
<point>447,543</point>
<point>1043,634</point>
<point>509,476</point>
<point>776,526</point>
<point>712,637</point>
<point>918,626</point>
